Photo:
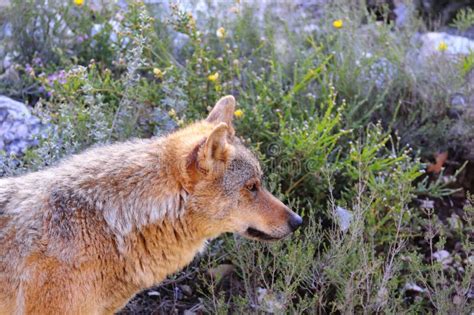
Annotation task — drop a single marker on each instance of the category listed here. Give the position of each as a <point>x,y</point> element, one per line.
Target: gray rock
<point>19,129</point>
<point>459,105</point>
<point>455,45</point>
<point>344,218</point>
<point>187,290</point>
<point>458,101</point>
<point>468,33</point>
<point>443,256</point>
<point>403,11</point>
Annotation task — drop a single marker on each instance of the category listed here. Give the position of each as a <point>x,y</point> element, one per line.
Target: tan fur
<point>85,236</point>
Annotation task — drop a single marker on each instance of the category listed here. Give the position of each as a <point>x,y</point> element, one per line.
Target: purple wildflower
<point>81,38</point>
<point>59,77</point>
<point>29,69</point>
<point>37,61</point>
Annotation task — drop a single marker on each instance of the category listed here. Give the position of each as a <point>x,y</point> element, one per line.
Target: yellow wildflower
<point>78,2</point>
<point>442,46</point>
<point>239,113</point>
<point>213,77</point>
<point>337,24</point>
<point>191,21</point>
<point>220,32</point>
<point>158,73</point>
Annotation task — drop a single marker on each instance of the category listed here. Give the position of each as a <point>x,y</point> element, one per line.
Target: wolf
<point>85,236</point>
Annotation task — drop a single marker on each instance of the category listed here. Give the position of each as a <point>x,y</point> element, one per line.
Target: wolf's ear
<point>223,111</point>
<point>215,151</point>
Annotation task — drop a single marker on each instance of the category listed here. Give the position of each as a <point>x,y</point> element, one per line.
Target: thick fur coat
<point>85,236</point>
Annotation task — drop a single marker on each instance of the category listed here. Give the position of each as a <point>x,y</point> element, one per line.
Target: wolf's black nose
<point>295,221</point>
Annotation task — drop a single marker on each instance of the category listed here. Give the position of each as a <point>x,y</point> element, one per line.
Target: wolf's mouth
<point>260,235</point>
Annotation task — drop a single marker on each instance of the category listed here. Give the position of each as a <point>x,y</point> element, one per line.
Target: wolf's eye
<point>252,187</point>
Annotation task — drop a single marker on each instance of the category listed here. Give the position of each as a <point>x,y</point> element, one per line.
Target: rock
<point>402,12</point>
<point>459,104</point>
<point>470,260</point>
<point>467,33</point>
<point>455,45</point>
<point>344,218</point>
<point>153,293</point>
<point>19,129</point>
<point>443,256</point>
<point>411,286</point>
<point>187,290</point>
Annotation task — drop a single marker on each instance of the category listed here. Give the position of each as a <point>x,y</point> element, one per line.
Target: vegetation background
<point>361,114</point>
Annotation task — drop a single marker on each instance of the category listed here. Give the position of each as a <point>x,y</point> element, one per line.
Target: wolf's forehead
<point>242,168</point>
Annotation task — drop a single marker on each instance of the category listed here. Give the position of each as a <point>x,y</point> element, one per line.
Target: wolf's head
<point>224,180</point>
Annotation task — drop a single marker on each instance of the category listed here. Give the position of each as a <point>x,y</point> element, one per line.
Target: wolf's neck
<point>124,215</point>
<point>165,247</point>
<point>154,252</point>
<point>130,190</point>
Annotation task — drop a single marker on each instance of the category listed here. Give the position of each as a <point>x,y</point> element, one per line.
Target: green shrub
<point>464,19</point>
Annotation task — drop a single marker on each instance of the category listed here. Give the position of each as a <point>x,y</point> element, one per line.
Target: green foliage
<point>49,30</point>
<point>467,64</point>
<point>464,19</point>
